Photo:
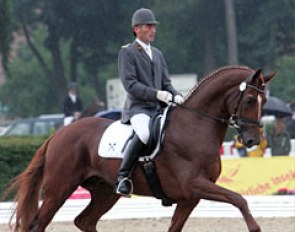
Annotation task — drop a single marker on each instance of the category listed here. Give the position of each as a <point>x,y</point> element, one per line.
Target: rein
<point>234,120</point>
<point>204,114</point>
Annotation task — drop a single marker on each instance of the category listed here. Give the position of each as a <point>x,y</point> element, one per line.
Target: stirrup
<point>119,185</point>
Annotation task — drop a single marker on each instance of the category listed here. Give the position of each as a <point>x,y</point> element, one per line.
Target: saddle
<point>154,139</point>
<point>155,135</point>
<point>112,145</point>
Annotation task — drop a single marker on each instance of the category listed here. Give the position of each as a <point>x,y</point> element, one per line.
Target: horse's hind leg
<point>206,189</point>
<point>53,200</point>
<point>102,200</point>
<point>181,214</point>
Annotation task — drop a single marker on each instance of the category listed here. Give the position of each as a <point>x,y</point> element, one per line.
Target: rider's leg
<point>131,153</point>
<point>136,146</point>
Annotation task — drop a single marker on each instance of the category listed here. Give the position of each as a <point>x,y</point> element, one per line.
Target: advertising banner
<point>259,176</point>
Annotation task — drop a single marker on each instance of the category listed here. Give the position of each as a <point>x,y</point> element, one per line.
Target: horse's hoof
<point>84,226</point>
<point>257,229</point>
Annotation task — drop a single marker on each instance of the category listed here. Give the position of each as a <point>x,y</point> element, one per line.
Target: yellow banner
<point>258,175</point>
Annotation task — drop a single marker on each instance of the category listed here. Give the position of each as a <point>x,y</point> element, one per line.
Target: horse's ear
<point>256,75</point>
<point>269,77</point>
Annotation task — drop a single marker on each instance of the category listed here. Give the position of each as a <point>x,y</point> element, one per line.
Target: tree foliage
<point>80,41</point>
<point>192,35</point>
<point>4,32</point>
<point>15,155</point>
<point>266,31</point>
<point>283,84</point>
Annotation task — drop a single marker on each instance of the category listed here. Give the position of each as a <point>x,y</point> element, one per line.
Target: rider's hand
<point>178,99</point>
<point>164,96</point>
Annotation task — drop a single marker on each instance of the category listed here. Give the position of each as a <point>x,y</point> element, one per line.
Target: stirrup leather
<point>131,187</point>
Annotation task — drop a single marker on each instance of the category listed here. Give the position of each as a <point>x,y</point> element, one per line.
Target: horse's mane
<point>212,74</point>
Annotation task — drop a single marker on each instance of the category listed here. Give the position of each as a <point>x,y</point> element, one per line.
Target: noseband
<point>234,121</point>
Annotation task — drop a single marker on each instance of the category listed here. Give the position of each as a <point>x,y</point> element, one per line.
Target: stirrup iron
<point>131,187</point>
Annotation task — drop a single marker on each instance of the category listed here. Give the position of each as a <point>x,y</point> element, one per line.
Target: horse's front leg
<point>181,214</point>
<point>205,189</point>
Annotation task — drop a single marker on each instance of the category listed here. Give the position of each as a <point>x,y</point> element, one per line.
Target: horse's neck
<point>191,132</point>
<point>211,92</point>
<point>210,98</point>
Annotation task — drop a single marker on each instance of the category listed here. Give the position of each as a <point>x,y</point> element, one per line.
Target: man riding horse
<point>144,74</point>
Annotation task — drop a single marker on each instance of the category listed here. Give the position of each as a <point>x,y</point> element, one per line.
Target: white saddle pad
<point>115,137</point>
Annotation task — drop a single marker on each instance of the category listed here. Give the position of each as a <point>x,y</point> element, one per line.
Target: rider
<point>144,74</point>
<point>72,107</point>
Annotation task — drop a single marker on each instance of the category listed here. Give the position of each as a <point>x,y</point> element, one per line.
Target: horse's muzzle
<point>249,140</point>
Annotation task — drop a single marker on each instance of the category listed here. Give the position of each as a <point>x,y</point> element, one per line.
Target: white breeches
<point>140,124</point>
<point>68,120</point>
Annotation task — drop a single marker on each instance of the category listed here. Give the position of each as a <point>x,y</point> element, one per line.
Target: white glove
<point>178,99</point>
<point>164,96</point>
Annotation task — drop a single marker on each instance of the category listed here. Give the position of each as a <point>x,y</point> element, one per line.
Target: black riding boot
<point>131,153</point>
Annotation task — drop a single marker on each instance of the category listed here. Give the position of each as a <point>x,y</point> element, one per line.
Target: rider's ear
<point>268,77</point>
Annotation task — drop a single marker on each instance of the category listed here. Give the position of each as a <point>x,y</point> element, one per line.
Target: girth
<point>148,165</point>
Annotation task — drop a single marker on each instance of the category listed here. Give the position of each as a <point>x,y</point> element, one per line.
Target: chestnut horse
<point>188,165</point>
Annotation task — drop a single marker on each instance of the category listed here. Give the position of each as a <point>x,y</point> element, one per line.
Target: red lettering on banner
<point>235,177</point>
<point>290,175</point>
<point>258,189</point>
<point>228,177</point>
<point>262,188</point>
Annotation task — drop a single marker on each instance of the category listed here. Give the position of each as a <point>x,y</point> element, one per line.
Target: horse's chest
<point>213,168</point>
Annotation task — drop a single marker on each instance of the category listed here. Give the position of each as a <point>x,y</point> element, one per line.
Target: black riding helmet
<point>143,16</point>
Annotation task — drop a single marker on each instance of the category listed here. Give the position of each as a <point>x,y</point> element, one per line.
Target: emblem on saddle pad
<point>117,134</point>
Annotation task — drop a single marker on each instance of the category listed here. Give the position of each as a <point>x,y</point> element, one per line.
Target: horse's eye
<point>250,101</point>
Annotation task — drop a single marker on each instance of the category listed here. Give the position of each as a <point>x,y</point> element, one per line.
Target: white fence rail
<point>145,207</point>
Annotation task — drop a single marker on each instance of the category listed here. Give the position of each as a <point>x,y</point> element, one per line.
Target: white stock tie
<point>149,52</point>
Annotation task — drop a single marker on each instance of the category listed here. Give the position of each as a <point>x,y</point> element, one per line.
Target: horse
<point>188,164</point>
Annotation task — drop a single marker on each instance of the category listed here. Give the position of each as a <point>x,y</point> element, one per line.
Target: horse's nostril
<point>250,142</point>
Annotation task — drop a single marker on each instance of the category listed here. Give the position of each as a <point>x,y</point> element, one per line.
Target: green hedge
<point>15,155</point>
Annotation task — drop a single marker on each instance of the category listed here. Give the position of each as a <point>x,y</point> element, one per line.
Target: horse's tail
<point>28,185</point>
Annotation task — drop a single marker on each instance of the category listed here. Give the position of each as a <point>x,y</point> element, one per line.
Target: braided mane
<point>212,74</point>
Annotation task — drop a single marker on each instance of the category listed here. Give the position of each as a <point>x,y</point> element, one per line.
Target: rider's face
<point>146,33</point>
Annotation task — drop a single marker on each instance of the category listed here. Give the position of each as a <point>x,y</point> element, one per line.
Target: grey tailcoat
<point>142,78</point>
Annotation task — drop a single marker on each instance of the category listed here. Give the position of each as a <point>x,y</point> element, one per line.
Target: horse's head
<point>247,108</point>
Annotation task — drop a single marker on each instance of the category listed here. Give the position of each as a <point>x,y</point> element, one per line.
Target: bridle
<point>234,121</point>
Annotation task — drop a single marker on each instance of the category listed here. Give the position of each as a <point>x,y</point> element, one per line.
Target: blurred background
<point>44,45</point>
